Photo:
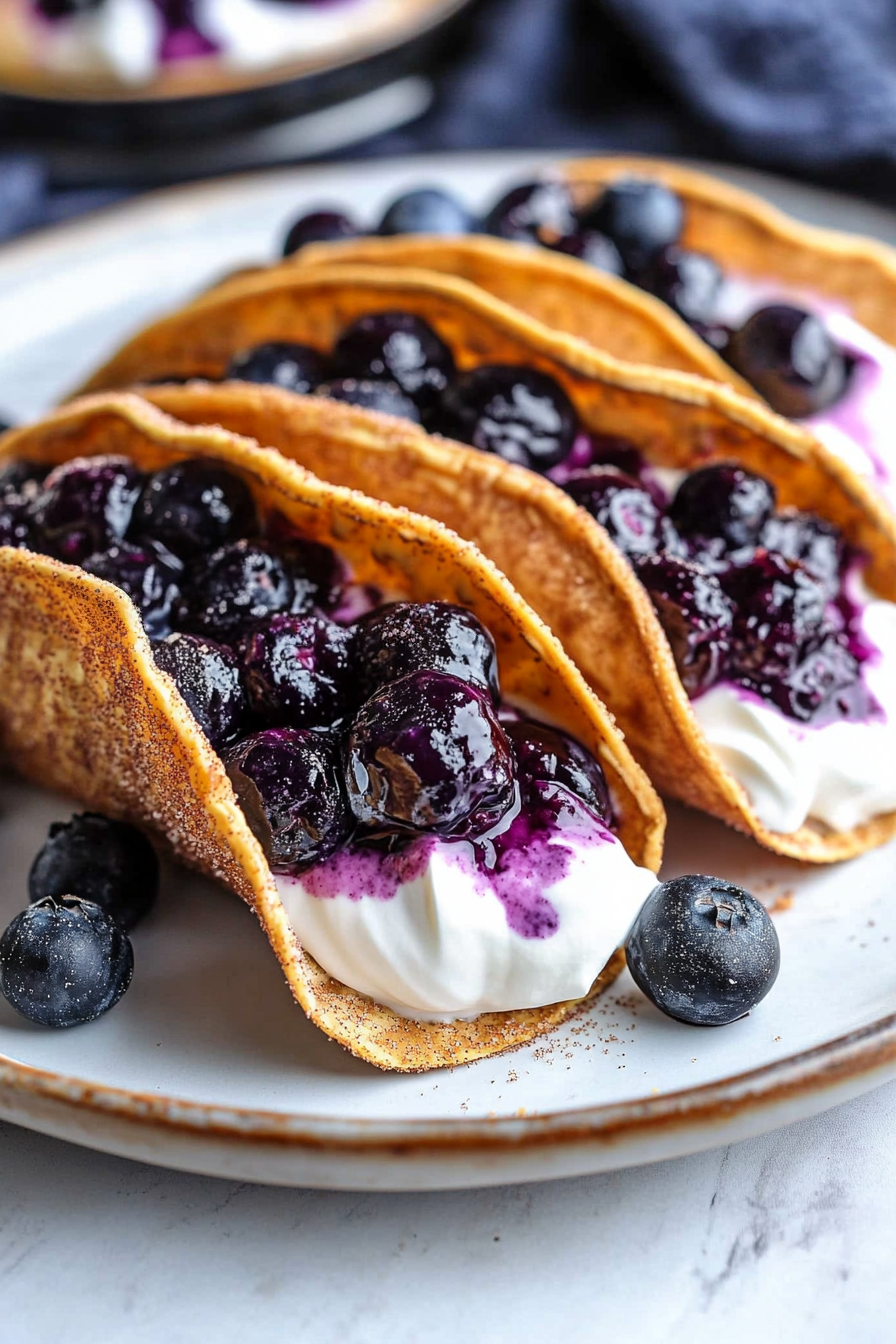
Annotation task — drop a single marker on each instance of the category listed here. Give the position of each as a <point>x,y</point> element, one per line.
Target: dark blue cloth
<point>806,87</point>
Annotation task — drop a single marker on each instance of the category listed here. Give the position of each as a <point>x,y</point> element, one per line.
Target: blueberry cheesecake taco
<point>338,709</point>
<point>725,584</point>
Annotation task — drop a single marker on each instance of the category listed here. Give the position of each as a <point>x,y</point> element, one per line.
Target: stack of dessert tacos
<point>560,560</point>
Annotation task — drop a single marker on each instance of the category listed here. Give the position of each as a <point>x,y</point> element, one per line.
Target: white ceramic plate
<point>207,1064</point>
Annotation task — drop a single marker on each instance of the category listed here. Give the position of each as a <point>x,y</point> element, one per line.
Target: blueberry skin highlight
<point>94,858</point>
<point>703,950</point>
<point>64,962</point>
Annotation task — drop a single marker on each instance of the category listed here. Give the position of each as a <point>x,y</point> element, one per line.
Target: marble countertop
<point>788,1236</point>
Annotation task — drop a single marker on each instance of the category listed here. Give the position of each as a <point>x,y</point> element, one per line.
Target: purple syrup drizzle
<point>182,39</point>
<point>359,871</point>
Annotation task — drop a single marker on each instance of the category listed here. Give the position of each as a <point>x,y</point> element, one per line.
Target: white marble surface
<point>791,1236</point>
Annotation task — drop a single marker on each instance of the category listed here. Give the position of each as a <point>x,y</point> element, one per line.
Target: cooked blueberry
<point>405,637</point>
<point>703,950</point>
<point>695,614</point>
<point>427,753</point>
<point>98,859</point>
<point>622,506</point>
<point>208,677</point>
<point>385,397</point>
<point>723,501</point>
<point>320,226</point>
<point>20,477</point>
<point>611,450</point>
<point>426,210</point>
<point>296,368</point>
<point>64,961</point>
<point>640,217</point>
<point>85,506</point>
<point>689,282</point>
<point>824,685</point>
<point>194,507</point>
<point>519,413</point>
<point>803,537</point>
<point>544,755</point>
<point>399,348</point>
<point>16,524</point>
<point>778,607</point>
<point>533,212</point>
<point>289,784</point>
<point>315,571</point>
<point>592,248</point>
<point>149,575</point>
<point>236,587</point>
<point>791,360</point>
<point>299,671</point>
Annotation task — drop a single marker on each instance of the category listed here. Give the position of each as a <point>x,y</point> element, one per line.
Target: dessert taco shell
<point>84,709</point>
<point>749,237</point>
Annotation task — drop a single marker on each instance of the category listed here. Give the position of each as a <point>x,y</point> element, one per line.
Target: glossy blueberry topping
<point>545,756</point>
<point>98,859</point>
<point>288,783</point>
<point>20,477</point>
<point>150,576</point>
<point>592,248</point>
<point>64,962</point>
<point>519,413</point>
<point>404,637</point>
<point>427,753</point>
<point>703,950</point>
<point>778,608</point>
<point>724,501</point>
<point>385,397</point>
<point>234,588</point>
<point>194,507</point>
<point>639,216</point>
<point>208,677</point>
<point>823,685</point>
<point>533,212</point>
<point>16,523</point>
<point>689,282</point>
<point>791,360</point>
<point>817,545</point>
<point>299,671</point>
<point>286,364</point>
<point>399,348</point>
<point>85,506</point>
<point>622,506</point>
<point>695,614</point>
<point>320,226</point>
<point>426,210</point>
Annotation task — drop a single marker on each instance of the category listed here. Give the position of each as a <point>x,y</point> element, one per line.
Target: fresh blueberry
<point>193,507</point>
<point>426,210</point>
<point>703,950</point>
<point>85,506</point>
<point>64,961</point>
<point>791,360</point>
<point>724,501</point>
<point>533,212</point>
<point>428,754</point>
<point>640,217</point>
<point>208,677</point>
<point>320,226</point>
<point>592,248</point>
<point>817,545</point>
<point>399,348</point>
<point>519,413</point>
<point>695,614</point>
<point>404,637</point>
<point>545,756</point>
<point>288,783</point>
<point>299,671</point>
<point>689,282</point>
<point>236,587</point>
<point>98,859</point>
<point>296,368</point>
<point>385,397</point>
<point>622,506</point>
<point>778,608</point>
<point>149,575</point>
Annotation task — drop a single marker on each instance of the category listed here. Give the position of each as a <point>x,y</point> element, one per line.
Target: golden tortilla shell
<point>84,709</point>
<point>563,563</point>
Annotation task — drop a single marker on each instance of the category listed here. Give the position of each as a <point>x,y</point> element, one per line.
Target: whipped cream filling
<point>431,935</point>
<point>841,774</point>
